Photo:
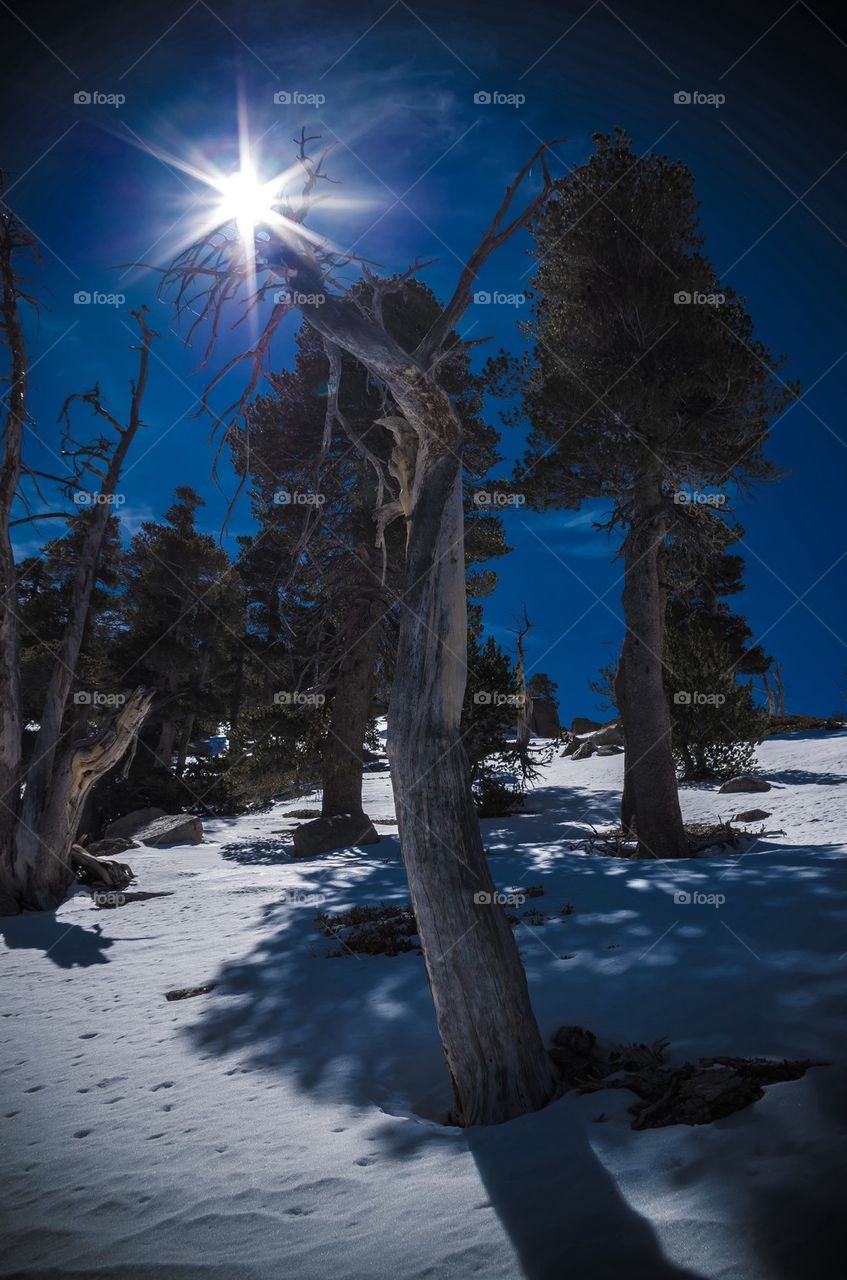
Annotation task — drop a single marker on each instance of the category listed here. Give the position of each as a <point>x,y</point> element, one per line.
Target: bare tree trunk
<point>342,762</point>
<point>11,715</point>
<point>495,1055</point>
<point>164,749</point>
<point>184,743</point>
<point>42,869</point>
<point>651,796</point>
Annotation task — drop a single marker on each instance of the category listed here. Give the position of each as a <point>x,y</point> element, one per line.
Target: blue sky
<point>421,167</point>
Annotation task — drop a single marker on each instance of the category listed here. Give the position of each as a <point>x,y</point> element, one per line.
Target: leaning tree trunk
<point>343,761</point>
<point>42,868</point>
<point>650,804</point>
<point>495,1055</point>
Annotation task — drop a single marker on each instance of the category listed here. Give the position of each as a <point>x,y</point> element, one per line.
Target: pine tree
<point>646,381</point>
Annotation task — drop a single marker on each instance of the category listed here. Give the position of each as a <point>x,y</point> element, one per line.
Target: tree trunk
<point>342,762</point>
<point>11,715</point>
<point>42,869</point>
<point>184,743</point>
<point>496,1059</point>
<point>651,799</point>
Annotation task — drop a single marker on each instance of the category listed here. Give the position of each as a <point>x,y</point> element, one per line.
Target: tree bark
<point>495,1055</point>
<point>650,804</point>
<point>42,868</point>
<point>342,763</point>
<point>11,713</point>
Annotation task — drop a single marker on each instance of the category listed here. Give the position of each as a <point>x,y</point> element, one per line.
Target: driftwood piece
<point>99,873</point>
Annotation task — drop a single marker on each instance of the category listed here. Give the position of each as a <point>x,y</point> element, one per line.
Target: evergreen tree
<point>646,381</point>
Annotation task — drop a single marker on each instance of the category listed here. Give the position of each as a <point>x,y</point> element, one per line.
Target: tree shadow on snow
<point>68,946</point>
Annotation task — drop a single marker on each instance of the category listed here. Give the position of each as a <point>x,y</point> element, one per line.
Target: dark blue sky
<point>423,166</point>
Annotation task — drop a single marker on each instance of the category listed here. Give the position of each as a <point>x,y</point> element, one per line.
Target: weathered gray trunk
<point>495,1055</point>
<point>42,870</point>
<point>11,718</point>
<point>342,762</point>
<point>650,805</point>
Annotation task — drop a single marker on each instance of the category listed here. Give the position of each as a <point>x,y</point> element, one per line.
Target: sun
<point>246,200</point>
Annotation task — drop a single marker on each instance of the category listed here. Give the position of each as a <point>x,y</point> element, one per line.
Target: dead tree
<point>495,1055</point>
<point>41,806</point>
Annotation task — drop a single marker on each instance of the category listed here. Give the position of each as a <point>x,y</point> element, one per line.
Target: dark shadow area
<point>797,777</point>
<point>371,1040</point>
<point>261,852</point>
<point>68,946</point>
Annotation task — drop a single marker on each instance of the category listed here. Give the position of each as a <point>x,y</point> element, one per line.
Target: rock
<point>544,721</point>
<point>752,815</point>
<point>584,750</point>
<point>132,822</point>
<point>581,725</point>
<point>572,744</point>
<point>338,832</point>
<point>745,782</point>
<point>609,751</point>
<point>108,847</point>
<point>611,737</point>
<point>171,829</point>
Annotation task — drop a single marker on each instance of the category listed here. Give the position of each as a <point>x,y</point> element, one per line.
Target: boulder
<point>132,822</point>
<point>752,815</point>
<point>571,745</point>
<point>744,782</point>
<point>609,750</point>
<point>584,750</point>
<point>171,829</point>
<point>544,720</point>
<point>581,725</point>
<point>611,737</point>
<point>338,832</point>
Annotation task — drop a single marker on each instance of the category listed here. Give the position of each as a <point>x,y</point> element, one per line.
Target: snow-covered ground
<point>289,1123</point>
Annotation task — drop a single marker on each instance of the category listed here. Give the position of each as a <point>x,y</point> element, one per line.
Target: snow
<point>290,1122</point>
